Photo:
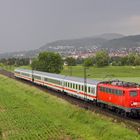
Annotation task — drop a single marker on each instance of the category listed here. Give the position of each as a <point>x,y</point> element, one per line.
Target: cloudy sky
<point>29,24</point>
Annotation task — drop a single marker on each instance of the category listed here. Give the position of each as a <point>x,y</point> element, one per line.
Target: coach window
<point>79,87</point>
<point>133,93</point>
<point>45,79</point>
<point>89,89</point>
<point>82,88</point>
<point>71,85</point>
<point>76,86</point>
<point>37,77</point>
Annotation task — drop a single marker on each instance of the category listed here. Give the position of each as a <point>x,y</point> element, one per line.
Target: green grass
<point>12,67</point>
<point>26,113</point>
<point>128,73</point>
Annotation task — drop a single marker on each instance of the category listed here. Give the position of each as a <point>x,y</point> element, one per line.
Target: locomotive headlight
<point>135,104</point>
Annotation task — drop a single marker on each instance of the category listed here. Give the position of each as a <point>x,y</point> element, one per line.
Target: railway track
<point>133,123</point>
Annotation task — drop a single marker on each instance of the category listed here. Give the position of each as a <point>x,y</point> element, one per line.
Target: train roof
<point>59,76</point>
<point>122,84</point>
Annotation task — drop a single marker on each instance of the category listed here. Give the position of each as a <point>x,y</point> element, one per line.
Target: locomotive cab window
<point>133,93</point>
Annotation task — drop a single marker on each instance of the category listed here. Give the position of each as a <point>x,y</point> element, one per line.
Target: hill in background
<point>124,42</point>
<point>110,41</point>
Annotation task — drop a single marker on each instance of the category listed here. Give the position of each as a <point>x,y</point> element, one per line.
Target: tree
<point>88,62</point>
<point>124,60</point>
<point>131,59</point>
<point>48,62</point>
<point>137,60</point>
<point>102,58</point>
<point>70,61</point>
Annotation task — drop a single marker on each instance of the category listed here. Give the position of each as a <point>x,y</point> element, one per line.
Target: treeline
<point>53,62</point>
<point>15,61</point>
<point>102,58</point>
<point>130,60</point>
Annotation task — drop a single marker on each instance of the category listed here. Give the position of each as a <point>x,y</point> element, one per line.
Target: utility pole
<point>32,75</point>
<point>70,68</point>
<point>85,83</point>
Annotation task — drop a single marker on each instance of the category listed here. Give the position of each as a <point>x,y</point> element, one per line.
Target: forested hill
<point>82,43</point>
<point>124,42</point>
<point>75,43</point>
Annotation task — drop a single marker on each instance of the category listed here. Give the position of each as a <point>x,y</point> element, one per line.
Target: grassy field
<point>128,73</point>
<point>27,113</point>
<point>12,67</point>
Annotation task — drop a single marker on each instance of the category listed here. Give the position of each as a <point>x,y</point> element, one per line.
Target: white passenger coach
<point>71,85</point>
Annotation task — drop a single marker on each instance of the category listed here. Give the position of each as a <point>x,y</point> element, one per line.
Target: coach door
<point>91,91</point>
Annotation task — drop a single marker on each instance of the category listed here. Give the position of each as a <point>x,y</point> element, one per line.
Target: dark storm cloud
<point>28,24</point>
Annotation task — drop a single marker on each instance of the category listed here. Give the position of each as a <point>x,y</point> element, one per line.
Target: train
<point>119,96</point>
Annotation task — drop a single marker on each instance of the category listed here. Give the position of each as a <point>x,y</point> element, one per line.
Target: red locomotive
<point>122,97</point>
